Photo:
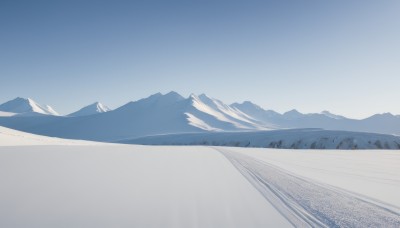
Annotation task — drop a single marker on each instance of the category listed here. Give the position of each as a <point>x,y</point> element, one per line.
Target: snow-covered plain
<point>374,173</point>
<point>325,188</point>
<point>109,185</point>
<point>64,183</point>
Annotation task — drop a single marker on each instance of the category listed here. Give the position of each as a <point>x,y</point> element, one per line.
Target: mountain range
<point>172,113</point>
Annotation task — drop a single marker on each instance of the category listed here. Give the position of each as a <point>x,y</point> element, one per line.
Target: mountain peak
<point>22,105</point>
<point>203,95</point>
<point>383,115</point>
<point>387,114</point>
<point>193,96</point>
<point>331,115</point>
<point>91,109</point>
<point>246,105</point>
<point>293,111</point>
<point>173,95</point>
<point>100,107</point>
<point>292,114</point>
<point>153,95</point>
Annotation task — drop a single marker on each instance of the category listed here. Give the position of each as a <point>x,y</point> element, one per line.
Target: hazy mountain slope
<point>379,123</point>
<point>331,115</point>
<point>290,119</point>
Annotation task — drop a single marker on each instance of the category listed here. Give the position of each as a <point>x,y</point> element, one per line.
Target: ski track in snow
<point>308,203</point>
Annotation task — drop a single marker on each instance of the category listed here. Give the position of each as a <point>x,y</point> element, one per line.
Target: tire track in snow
<point>306,203</point>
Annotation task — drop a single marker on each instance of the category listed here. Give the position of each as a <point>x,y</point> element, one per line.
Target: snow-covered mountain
<point>212,114</point>
<point>268,117</point>
<point>380,123</point>
<point>171,113</point>
<point>91,109</point>
<point>285,139</point>
<point>331,115</point>
<point>156,114</point>
<point>27,106</point>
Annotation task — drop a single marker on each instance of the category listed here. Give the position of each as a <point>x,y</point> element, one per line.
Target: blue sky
<point>341,56</point>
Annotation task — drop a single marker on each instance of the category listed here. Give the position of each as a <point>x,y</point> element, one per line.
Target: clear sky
<point>341,56</point>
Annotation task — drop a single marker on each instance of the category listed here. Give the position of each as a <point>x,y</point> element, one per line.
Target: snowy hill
<point>10,137</point>
<point>91,109</point>
<point>285,139</point>
<point>26,107</point>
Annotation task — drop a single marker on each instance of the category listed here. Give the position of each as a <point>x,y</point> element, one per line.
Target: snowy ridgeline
<point>171,113</point>
<point>285,139</point>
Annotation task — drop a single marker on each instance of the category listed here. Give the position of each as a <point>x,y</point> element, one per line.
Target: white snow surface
<point>10,137</point>
<point>127,186</point>
<point>317,203</point>
<point>372,173</point>
<point>91,109</point>
<point>59,184</point>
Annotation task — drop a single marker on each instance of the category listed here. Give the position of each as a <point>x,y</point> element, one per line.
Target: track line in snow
<point>307,203</point>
